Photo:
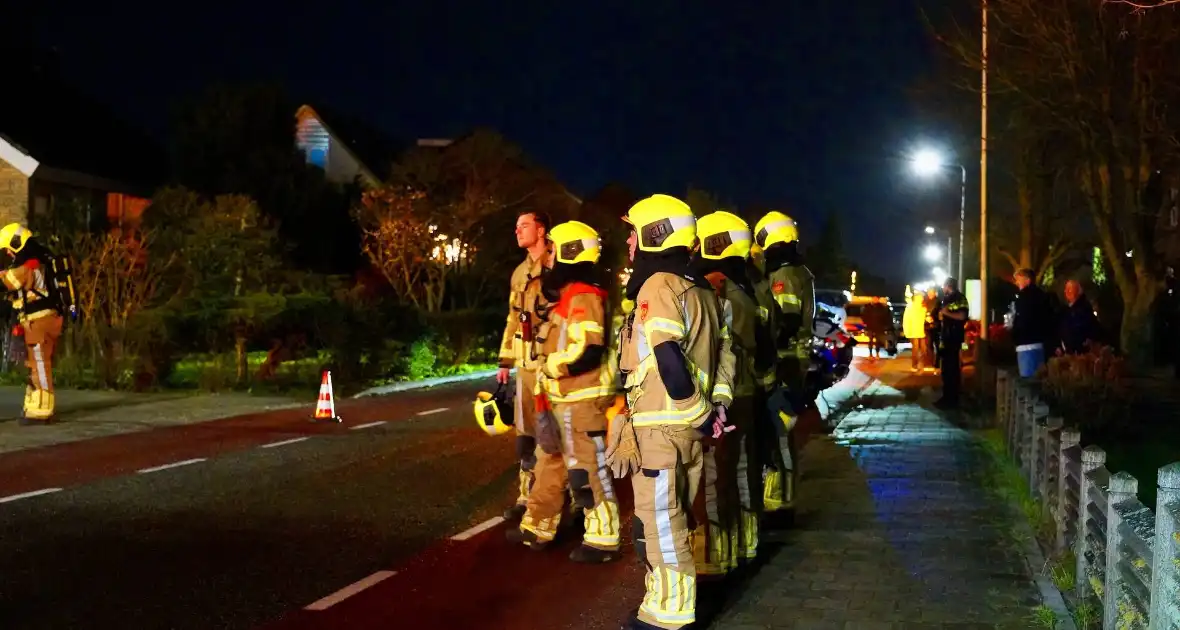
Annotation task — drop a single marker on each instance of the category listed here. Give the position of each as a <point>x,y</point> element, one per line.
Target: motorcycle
<point>831,355</point>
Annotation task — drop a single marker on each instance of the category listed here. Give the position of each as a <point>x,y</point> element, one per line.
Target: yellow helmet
<point>14,236</point>
<point>663,222</point>
<point>723,234</point>
<point>775,228</point>
<point>493,412</point>
<point>575,242</point>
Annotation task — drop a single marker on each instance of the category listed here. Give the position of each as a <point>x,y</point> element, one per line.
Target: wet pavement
<point>895,530</point>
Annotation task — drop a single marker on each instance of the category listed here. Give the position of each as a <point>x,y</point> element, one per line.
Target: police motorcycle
<point>831,352</point>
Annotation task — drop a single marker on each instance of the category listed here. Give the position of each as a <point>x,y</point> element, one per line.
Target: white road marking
<point>350,590</point>
<point>286,442</point>
<point>367,425</point>
<point>26,495</point>
<point>433,411</point>
<point>478,529</point>
<point>172,465</point>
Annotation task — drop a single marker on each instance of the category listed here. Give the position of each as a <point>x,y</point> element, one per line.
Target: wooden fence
<point>1128,555</point>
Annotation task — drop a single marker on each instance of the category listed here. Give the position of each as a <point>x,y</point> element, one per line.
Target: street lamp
<point>928,162</point>
<point>932,252</point>
<point>930,229</point>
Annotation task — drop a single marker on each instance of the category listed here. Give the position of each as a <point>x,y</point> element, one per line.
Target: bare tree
<point>1100,76</point>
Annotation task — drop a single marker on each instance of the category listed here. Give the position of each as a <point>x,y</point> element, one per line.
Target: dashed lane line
<point>367,425</point>
<point>26,495</point>
<point>350,590</point>
<point>286,442</point>
<point>430,412</point>
<point>172,465</point>
<point>478,529</point>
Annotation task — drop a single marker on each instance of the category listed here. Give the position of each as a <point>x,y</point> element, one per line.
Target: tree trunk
<point>240,349</point>
<point>1136,336</point>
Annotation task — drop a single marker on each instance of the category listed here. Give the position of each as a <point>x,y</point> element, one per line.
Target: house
<point>66,162</point>
<point>348,149</point>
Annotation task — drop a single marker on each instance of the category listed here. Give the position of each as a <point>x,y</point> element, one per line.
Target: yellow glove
<point>622,448</point>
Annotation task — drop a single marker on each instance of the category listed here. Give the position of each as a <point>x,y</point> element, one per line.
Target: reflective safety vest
<point>670,308</point>
<point>576,323</point>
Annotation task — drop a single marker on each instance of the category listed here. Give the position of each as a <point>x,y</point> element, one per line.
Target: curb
<point>426,383</point>
<point>857,381</point>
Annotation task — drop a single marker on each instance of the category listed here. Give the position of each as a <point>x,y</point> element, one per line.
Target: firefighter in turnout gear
<point>578,378</point>
<point>31,282</point>
<point>724,260</point>
<point>527,309</point>
<point>669,356</point>
<point>793,290</point>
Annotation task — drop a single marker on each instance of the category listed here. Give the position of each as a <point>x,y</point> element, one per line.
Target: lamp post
<point>927,162</point>
<point>931,249</point>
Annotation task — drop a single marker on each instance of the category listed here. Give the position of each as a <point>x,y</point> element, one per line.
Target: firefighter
<point>724,259</point>
<point>669,349</point>
<point>526,310</point>
<point>35,297</point>
<point>793,290</point>
<point>577,377</point>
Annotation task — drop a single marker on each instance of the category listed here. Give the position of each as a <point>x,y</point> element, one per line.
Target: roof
<point>375,149</point>
<point>60,127</point>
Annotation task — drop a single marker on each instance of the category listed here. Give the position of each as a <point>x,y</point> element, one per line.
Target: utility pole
<point>983,308</point>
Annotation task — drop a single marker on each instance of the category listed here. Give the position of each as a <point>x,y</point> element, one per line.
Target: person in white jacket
<point>913,324</point>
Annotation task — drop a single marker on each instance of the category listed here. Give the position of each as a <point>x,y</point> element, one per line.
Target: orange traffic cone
<point>325,407</point>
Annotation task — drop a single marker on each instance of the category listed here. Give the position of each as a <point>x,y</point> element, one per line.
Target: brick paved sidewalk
<point>894,530</point>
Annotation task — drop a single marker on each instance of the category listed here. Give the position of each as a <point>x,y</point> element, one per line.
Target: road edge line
<point>195,460</point>
<point>28,495</point>
<point>472,532</point>
<point>285,442</point>
<point>325,603</point>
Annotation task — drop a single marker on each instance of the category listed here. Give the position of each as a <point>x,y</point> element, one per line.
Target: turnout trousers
<point>41,337</point>
<point>672,466</point>
<point>582,426</point>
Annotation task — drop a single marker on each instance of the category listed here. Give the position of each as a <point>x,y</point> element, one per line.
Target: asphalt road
<point>390,519</point>
<point>250,531</point>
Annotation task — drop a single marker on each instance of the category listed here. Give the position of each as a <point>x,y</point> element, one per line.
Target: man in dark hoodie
<point>1078,323</point>
<point>1031,327</point>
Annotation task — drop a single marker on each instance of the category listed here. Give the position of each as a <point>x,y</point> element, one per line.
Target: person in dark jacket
<point>1032,327</point>
<point>1078,323</point>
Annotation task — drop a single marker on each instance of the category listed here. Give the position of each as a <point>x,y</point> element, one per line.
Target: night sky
<point>803,108</point>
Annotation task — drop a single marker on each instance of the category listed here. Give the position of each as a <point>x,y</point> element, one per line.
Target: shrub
<point>1090,388</point>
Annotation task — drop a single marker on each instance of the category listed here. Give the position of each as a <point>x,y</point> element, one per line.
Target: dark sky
<point>801,108</point>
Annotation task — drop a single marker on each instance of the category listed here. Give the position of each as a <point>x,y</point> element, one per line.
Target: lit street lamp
<point>932,252</point>
<point>930,229</point>
<point>928,162</point>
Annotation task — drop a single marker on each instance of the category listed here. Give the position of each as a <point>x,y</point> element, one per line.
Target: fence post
<point>1123,487</point>
<point>1038,437</point>
<point>1092,459</point>
<point>1002,398</point>
<point>1014,418</point>
<point>1069,439</point>
<point>1164,570</point>
<point>1049,450</point>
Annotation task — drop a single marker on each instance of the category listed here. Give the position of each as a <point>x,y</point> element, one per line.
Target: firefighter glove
<point>716,426</point>
<point>548,437</point>
<point>622,448</point>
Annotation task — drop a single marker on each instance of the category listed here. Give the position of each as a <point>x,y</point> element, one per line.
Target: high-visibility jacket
<point>671,308</point>
<point>741,317</point>
<point>576,323</point>
<point>768,315</point>
<point>29,285</point>
<point>793,288</point>
<point>526,312</point>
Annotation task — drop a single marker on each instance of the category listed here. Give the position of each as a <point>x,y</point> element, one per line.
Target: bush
<point>1090,389</point>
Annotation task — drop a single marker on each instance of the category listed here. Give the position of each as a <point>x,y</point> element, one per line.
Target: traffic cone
<point>325,407</point>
